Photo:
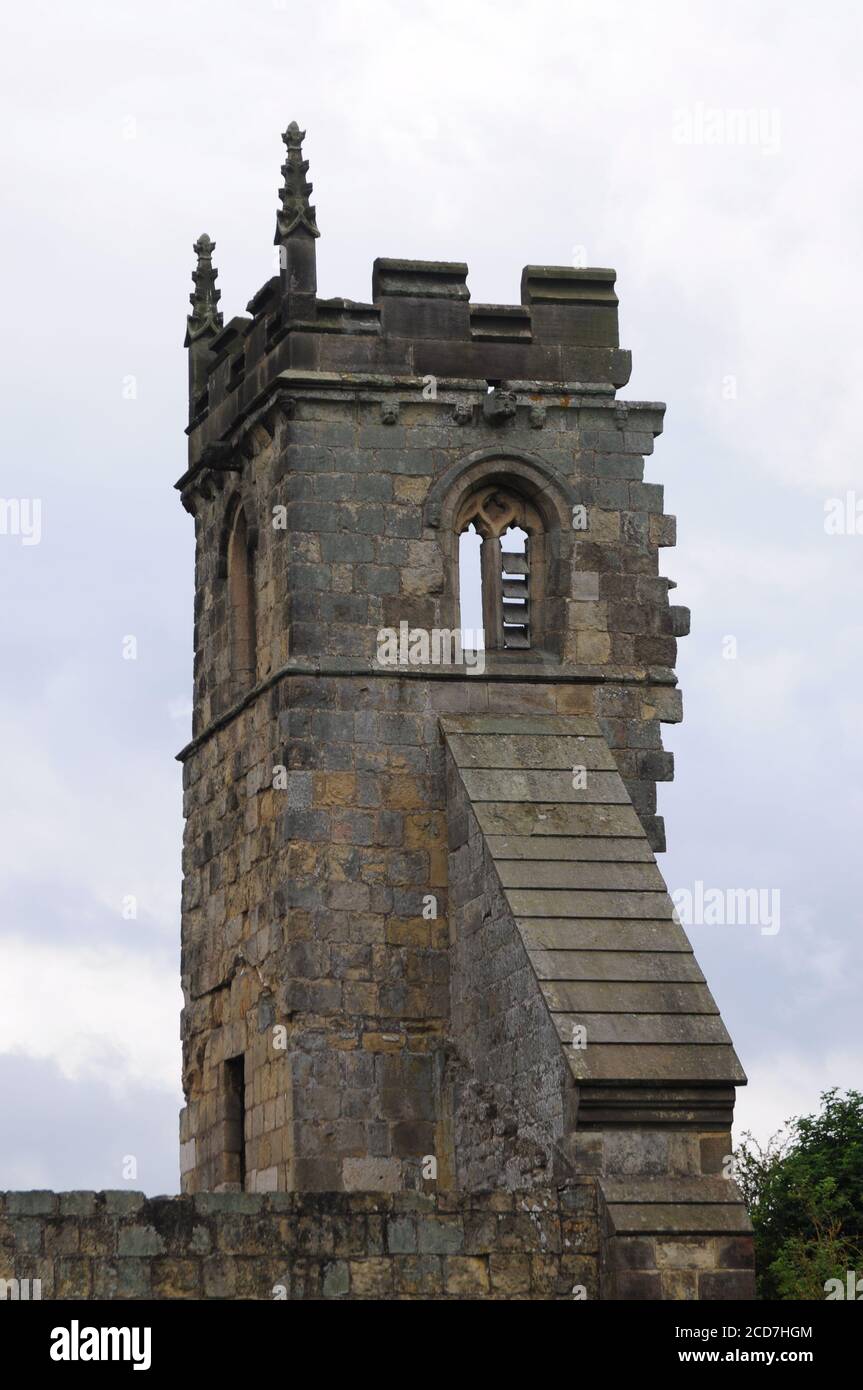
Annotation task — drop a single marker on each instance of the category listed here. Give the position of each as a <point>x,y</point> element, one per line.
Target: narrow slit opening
<point>235,1119</point>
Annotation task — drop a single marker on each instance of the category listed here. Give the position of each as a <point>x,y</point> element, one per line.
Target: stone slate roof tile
<point>590,902</point>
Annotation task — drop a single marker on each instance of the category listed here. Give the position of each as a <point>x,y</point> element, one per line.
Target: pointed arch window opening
<point>507,532</point>
<point>242,606</point>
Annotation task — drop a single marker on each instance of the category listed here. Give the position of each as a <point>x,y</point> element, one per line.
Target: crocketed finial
<point>206,317</point>
<point>296,209</point>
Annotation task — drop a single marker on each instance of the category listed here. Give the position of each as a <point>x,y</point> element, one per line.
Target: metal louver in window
<point>515,591</point>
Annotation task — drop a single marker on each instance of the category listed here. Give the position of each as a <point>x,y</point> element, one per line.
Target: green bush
<point>804,1192</point>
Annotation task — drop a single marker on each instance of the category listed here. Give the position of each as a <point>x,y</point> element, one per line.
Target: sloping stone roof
<point>590,902</point>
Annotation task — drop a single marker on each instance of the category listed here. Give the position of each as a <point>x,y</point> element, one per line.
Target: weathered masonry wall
<point>678,1237</point>
<point>514,1103</point>
<point>306,902</point>
<point>121,1245</point>
<point>304,910</point>
<point>364,536</point>
<point>580,1241</point>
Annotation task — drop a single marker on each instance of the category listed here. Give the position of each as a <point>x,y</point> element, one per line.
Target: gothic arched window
<point>241,605</point>
<point>511,563</point>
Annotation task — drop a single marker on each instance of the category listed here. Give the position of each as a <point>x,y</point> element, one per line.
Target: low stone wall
<point>282,1245</point>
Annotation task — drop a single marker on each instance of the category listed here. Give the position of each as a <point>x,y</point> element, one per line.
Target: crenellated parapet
<point>420,322</point>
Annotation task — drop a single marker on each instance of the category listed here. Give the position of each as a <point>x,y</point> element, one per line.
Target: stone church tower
<point>425,943</point>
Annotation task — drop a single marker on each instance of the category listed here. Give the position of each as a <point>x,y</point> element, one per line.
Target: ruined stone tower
<point>425,941</point>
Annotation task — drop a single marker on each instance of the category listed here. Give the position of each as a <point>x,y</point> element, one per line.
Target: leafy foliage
<point>804,1192</point>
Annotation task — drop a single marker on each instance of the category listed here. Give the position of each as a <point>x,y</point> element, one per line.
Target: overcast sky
<point>502,135</point>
